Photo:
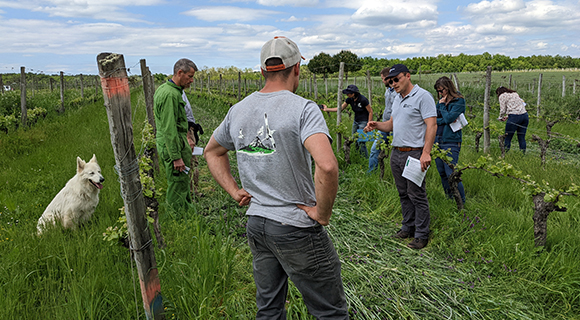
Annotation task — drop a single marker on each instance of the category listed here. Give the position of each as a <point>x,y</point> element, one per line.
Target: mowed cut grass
<point>480,263</point>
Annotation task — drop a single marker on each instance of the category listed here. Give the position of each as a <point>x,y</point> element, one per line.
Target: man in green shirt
<point>171,124</point>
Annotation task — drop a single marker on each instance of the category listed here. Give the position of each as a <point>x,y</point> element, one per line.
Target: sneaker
<point>418,243</point>
<point>402,235</point>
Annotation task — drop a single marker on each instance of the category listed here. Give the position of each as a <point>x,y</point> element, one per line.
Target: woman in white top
<point>512,109</point>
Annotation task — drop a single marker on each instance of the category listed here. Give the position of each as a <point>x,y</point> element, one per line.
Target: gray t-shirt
<point>267,131</point>
<point>409,116</point>
<point>188,111</point>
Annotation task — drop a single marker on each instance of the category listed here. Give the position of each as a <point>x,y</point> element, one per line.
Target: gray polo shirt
<point>409,114</point>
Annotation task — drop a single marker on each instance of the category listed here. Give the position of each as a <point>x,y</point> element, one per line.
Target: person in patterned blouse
<point>512,110</point>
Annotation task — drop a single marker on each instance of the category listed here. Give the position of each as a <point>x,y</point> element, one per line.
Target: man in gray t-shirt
<point>275,135</point>
<point>414,124</point>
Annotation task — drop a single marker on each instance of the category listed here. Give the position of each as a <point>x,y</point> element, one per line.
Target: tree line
<point>325,64</point>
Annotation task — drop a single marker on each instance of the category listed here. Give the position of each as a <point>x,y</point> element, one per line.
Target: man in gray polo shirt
<point>414,124</point>
<point>276,134</point>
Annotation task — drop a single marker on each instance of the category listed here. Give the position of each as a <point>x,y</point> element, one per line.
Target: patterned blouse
<point>511,103</point>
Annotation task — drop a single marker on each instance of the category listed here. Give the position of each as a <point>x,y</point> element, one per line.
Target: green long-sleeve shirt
<point>171,121</point>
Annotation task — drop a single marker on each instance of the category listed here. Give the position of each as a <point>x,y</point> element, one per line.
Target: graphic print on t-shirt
<point>263,143</point>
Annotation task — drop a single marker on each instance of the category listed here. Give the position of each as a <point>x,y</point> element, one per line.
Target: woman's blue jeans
<point>375,151</point>
<point>360,145</point>
<point>444,169</point>
<point>516,123</point>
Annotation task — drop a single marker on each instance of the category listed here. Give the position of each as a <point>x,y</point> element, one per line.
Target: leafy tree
<point>351,61</point>
<point>322,63</point>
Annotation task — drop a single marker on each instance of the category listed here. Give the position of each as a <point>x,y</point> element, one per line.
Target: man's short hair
<point>184,65</point>
<point>385,71</point>
<point>280,75</point>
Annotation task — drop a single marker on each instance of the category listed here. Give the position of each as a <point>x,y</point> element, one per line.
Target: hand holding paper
<point>459,123</point>
<point>413,171</point>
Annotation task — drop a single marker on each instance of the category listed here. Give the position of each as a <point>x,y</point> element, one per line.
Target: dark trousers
<point>516,123</point>
<point>444,169</point>
<point>307,256</point>
<point>414,203</point>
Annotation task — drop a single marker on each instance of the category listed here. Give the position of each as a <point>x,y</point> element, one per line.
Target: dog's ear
<point>93,159</point>
<point>80,165</point>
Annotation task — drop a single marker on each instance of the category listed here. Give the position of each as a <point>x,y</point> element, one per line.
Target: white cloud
<point>405,49</point>
<point>294,3</point>
<point>380,12</point>
<point>496,6</point>
<point>109,10</point>
<point>517,13</point>
<point>226,13</point>
<point>293,19</point>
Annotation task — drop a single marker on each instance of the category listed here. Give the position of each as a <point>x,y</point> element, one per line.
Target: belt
<point>407,149</point>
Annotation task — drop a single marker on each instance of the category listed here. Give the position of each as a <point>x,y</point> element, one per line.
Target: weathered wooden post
<point>23,114</point>
<point>456,81</point>
<point>148,91</point>
<point>208,83</point>
<point>221,84</point>
<point>563,86</point>
<point>33,84</point>
<point>117,98</point>
<point>82,87</point>
<point>338,104</point>
<point>315,87</point>
<point>96,88</point>
<point>61,110</point>
<point>539,96</point>
<point>2,85</point>
<point>325,86</point>
<point>239,85</point>
<point>486,131</point>
<point>370,88</point>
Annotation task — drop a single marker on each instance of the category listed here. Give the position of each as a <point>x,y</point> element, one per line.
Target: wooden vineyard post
<point>61,110</point>
<point>82,87</point>
<point>23,96</point>
<point>486,133</point>
<point>338,104</point>
<point>370,87</point>
<point>117,98</point>
<point>455,81</point>
<point>2,86</point>
<point>96,88</point>
<point>315,87</point>
<point>239,86</point>
<point>539,96</point>
<point>148,91</point>
<point>563,86</point>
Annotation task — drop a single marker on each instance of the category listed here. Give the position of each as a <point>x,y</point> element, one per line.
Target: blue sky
<point>66,35</point>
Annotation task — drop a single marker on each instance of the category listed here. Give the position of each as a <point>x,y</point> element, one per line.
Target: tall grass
<point>480,263</point>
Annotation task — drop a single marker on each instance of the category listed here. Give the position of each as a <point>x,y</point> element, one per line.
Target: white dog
<point>76,202</point>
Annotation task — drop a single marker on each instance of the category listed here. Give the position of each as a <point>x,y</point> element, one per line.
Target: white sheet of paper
<point>197,151</point>
<point>413,171</point>
<point>459,123</point>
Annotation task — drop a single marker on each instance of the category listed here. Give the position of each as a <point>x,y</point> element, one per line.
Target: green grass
<point>479,264</point>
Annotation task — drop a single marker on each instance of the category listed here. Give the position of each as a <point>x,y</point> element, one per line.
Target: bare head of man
<point>183,72</point>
